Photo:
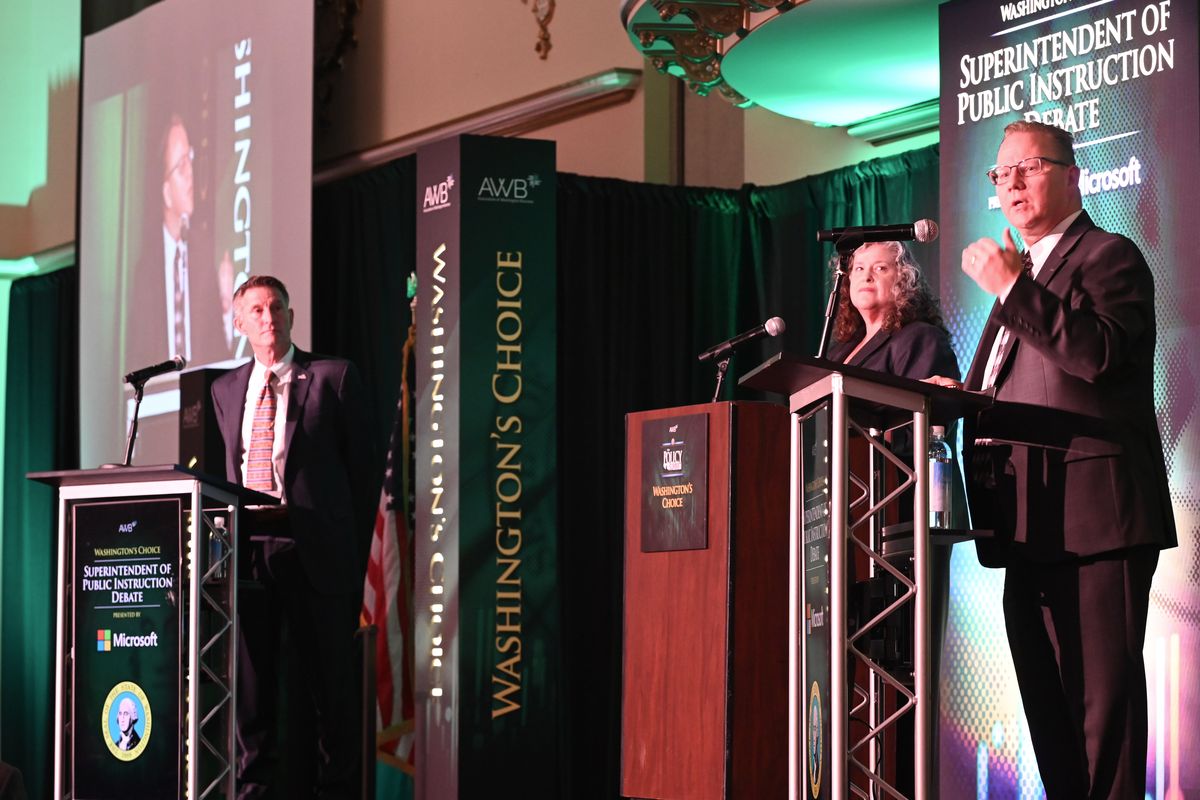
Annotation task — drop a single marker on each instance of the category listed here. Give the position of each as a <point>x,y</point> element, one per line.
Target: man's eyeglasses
<point>186,158</point>
<point>1027,167</point>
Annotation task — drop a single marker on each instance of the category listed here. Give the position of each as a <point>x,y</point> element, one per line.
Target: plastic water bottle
<point>940,477</point>
<point>217,542</point>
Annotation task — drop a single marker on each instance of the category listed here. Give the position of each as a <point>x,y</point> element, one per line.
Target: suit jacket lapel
<point>1058,256</point>
<point>983,350</point>
<point>236,403</point>
<point>297,394</point>
<point>877,341</point>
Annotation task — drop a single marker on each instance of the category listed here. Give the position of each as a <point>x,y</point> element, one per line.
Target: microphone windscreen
<point>774,326</point>
<point>925,230</point>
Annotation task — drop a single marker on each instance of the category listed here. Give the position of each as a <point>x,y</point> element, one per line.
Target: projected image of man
<point>182,297</point>
<point>179,202</point>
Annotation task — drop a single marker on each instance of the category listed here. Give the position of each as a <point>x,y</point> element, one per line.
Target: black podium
<point>830,403</point>
<point>146,632</point>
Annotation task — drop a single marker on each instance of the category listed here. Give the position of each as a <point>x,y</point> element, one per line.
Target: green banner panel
<point>487,622</point>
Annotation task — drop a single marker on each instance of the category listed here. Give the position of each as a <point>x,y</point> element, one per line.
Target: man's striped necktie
<point>260,468</point>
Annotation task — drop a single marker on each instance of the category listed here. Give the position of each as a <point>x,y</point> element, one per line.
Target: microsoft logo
<point>106,640</point>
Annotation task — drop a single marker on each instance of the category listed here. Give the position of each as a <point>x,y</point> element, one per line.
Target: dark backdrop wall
<point>648,277</point>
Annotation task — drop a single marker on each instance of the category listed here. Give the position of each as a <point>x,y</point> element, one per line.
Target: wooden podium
<point>704,700</point>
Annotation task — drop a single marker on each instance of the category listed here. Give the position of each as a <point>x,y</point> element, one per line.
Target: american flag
<point>388,595</point>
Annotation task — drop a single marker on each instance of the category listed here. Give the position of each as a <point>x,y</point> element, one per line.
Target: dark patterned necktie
<point>181,272</point>
<point>1005,339</point>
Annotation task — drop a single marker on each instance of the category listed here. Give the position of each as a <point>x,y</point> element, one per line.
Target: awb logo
<point>438,195</point>
<point>508,190</point>
<point>106,640</point>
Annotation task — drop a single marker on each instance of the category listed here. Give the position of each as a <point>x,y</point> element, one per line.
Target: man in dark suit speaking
<point>1067,468</point>
<point>295,426</point>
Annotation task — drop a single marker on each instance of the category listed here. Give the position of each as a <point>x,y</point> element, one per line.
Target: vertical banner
<point>1122,76</point>
<point>487,623</point>
<point>126,699</point>
<point>816,680</point>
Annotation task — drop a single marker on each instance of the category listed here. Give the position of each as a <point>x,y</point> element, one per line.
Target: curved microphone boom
<point>146,373</point>
<point>923,230</point>
<point>772,327</point>
<point>137,379</point>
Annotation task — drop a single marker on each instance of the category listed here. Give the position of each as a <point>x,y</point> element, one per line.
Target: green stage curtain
<point>784,220</point>
<point>647,277</point>
<point>364,248</point>
<point>41,433</point>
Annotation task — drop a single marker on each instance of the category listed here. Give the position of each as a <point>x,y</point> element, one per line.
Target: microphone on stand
<point>137,379</point>
<point>772,327</point>
<point>923,230</point>
<point>847,240</point>
<point>146,373</point>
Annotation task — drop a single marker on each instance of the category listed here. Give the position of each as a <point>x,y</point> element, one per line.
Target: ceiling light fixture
<point>831,62</point>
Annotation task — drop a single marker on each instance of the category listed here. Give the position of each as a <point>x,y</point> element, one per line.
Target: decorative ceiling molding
<point>690,37</point>
<point>529,113</point>
<point>333,38</point>
<point>543,10</point>
<point>899,124</point>
<point>39,263</point>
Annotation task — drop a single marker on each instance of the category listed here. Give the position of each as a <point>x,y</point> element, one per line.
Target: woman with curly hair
<point>887,319</point>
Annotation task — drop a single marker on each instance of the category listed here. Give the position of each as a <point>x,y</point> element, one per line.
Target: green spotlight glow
<point>17,268</point>
<point>39,55</point>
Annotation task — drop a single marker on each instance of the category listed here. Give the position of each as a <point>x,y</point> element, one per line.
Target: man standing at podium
<point>1068,467</point>
<point>295,426</point>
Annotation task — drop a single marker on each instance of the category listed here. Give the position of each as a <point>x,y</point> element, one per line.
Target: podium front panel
<point>146,627</point>
<point>704,695</point>
<point>815,679</point>
<point>674,717</point>
<point>127,704</point>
